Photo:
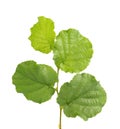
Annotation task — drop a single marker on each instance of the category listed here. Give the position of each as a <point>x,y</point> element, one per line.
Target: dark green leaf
<point>83,97</point>
<point>72,51</point>
<point>35,81</point>
<point>43,35</point>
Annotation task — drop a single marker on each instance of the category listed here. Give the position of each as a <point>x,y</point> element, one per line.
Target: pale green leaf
<point>35,81</point>
<point>83,97</point>
<point>43,35</point>
<point>72,51</point>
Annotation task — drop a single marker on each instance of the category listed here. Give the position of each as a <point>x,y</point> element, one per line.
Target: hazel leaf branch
<point>83,96</point>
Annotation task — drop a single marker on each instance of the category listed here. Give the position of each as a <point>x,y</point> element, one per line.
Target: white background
<point>99,20</point>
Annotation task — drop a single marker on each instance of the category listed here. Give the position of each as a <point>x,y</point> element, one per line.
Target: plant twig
<point>60,119</point>
<point>60,108</point>
<point>57,88</point>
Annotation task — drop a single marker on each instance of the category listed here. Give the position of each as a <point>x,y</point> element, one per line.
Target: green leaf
<point>35,81</point>
<point>72,51</point>
<point>43,35</point>
<point>83,97</point>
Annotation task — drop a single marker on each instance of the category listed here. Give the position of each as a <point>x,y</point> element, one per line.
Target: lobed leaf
<point>72,51</point>
<point>35,81</point>
<point>83,96</point>
<point>43,35</point>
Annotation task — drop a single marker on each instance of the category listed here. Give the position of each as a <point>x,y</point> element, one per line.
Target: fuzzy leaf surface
<point>83,97</point>
<point>72,51</point>
<point>35,81</point>
<point>43,35</point>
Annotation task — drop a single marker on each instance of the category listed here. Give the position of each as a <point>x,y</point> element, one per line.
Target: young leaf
<point>35,81</point>
<point>43,35</point>
<point>72,51</point>
<point>83,96</point>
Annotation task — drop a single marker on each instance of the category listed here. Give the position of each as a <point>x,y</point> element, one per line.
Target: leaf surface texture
<point>83,97</point>
<point>72,51</point>
<point>43,35</point>
<point>35,81</point>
